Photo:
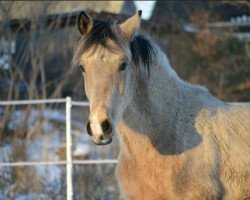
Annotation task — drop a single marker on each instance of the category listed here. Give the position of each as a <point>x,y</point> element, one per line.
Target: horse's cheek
<point>121,87</point>
<point>86,87</point>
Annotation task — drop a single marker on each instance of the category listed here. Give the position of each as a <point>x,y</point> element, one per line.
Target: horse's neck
<point>152,109</point>
<point>161,115</point>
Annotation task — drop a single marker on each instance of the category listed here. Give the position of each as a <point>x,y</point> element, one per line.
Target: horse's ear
<point>84,23</point>
<point>131,25</point>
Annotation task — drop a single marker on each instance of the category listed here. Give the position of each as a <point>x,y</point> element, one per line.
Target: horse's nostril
<point>89,130</point>
<point>101,137</point>
<point>106,127</point>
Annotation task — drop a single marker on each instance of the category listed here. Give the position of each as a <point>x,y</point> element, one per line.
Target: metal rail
<point>62,162</point>
<point>27,102</point>
<point>68,162</point>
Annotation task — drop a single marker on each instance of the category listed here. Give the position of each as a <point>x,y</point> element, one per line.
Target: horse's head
<point>104,57</point>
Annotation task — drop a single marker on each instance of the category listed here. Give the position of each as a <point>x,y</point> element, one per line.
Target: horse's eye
<point>81,68</point>
<point>123,66</point>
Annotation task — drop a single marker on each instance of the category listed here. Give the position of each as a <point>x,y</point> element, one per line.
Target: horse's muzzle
<point>102,133</point>
<point>103,142</point>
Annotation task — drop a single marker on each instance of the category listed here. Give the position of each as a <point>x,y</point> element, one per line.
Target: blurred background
<point>207,42</point>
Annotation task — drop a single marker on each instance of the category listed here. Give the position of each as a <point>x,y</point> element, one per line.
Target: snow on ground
<point>43,146</point>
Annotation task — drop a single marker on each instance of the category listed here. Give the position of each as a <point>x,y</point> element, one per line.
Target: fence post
<point>69,149</point>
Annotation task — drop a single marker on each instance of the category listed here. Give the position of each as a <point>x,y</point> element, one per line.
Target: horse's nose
<point>106,127</point>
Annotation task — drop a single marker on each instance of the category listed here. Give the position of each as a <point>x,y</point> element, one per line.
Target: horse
<point>177,141</point>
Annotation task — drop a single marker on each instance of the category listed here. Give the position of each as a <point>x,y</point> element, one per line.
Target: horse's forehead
<point>102,56</point>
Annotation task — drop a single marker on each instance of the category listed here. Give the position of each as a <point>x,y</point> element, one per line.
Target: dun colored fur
<point>177,141</point>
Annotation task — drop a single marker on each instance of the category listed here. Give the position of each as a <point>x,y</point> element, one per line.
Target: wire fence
<point>69,162</point>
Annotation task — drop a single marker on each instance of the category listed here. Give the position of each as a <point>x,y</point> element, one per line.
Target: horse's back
<point>233,124</point>
<point>233,136</point>
<point>225,131</point>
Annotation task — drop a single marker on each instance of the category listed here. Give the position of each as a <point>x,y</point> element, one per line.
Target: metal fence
<point>68,162</point>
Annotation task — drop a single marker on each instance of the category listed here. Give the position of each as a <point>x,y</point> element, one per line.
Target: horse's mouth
<point>104,142</point>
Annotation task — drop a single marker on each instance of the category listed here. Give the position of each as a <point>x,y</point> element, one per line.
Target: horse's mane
<point>141,48</point>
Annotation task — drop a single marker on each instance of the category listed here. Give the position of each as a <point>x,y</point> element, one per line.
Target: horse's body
<point>185,144</point>
<point>177,141</point>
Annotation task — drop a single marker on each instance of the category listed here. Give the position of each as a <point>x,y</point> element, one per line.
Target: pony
<point>177,141</point>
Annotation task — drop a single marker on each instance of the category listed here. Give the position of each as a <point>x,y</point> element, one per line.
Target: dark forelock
<point>141,48</point>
